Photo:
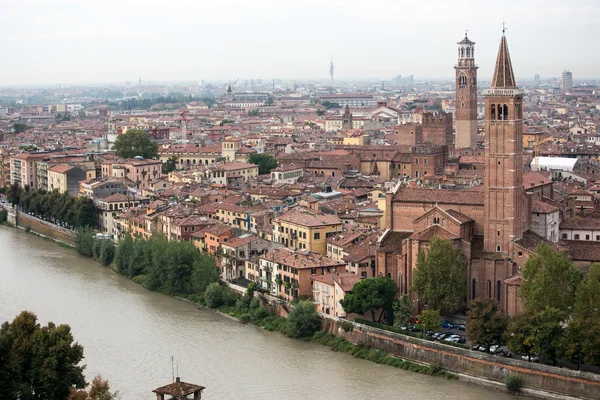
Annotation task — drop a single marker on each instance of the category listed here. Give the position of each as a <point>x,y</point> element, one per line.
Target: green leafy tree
<point>320,112</point>
<point>547,333</point>
<point>13,194</point>
<point>440,276</point>
<point>270,101</point>
<point>430,320</point>
<point>107,252</point>
<point>486,323</point>
<point>304,320</point>
<point>519,335</point>
<point>204,273</point>
<point>549,280</point>
<point>265,162</point>
<point>254,112</point>
<point>85,213</point>
<point>20,127</point>
<point>135,143</point>
<point>38,362</point>
<point>369,295</point>
<point>123,254</point>
<point>84,239</point>
<point>328,104</point>
<point>582,336</point>
<point>214,297</point>
<point>170,165</point>
<point>403,310</point>
<point>99,390</point>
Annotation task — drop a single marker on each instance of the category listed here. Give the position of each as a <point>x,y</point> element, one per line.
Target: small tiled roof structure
<point>179,390</point>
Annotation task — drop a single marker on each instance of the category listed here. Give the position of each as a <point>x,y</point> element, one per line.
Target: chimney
<point>177,380</point>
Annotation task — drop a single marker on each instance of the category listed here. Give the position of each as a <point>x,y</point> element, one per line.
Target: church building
<point>489,224</point>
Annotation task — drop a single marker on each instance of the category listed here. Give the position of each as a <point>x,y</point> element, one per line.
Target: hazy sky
<point>95,41</point>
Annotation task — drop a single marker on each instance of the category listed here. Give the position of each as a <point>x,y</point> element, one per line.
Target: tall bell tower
<point>504,199</point>
<point>466,95</point>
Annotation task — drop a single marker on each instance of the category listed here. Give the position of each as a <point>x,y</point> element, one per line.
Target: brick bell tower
<point>466,95</point>
<point>504,198</point>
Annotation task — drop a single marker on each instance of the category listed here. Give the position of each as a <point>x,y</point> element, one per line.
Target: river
<point>129,335</point>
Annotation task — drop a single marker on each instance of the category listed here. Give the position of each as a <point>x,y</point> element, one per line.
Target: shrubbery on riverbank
<point>3,216</point>
<point>54,206</point>
<point>172,267</point>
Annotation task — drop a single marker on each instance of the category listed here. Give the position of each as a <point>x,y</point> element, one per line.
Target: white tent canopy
<point>553,163</point>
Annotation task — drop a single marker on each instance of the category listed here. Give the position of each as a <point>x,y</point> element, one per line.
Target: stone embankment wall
<point>583,385</point>
<point>41,227</point>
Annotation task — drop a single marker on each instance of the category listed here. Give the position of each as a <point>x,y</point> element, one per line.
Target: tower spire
<point>504,77</point>
<point>331,70</point>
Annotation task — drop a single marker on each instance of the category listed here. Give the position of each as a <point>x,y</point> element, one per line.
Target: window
<point>576,236</point>
<point>313,271</point>
<point>597,237</point>
<point>564,236</point>
<point>416,161</point>
<point>489,289</point>
<point>436,220</point>
<point>587,237</point>
<point>473,288</point>
<point>498,248</point>
<point>498,289</point>
<point>317,236</point>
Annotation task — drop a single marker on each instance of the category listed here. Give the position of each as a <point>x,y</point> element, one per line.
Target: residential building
<point>302,228</point>
<point>65,178</point>
<point>577,228</point>
<point>288,273</point>
<point>227,173</point>
<point>329,290</point>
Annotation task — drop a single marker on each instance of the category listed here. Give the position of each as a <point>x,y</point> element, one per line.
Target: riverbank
<point>480,366</point>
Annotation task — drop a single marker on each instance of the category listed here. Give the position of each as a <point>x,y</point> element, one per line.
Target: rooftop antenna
<point>331,70</point>
<point>178,369</point>
<point>503,26</point>
<point>172,369</point>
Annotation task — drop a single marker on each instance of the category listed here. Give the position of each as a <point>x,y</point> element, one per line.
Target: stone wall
<point>536,376</point>
<point>45,228</point>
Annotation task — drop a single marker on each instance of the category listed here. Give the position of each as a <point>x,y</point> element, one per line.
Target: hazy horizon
<point>78,42</point>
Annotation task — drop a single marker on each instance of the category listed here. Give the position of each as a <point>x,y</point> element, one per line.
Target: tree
<point>99,390</point>
<point>320,112</point>
<point>85,213</point>
<point>254,112</point>
<point>485,322</point>
<point>403,310</point>
<point>38,362</point>
<point>582,336</point>
<point>123,254</point>
<point>214,296</point>
<point>549,280</point>
<point>135,143</point>
<point>440,276</point>
<point>170,165</point>
<point>13,194</point>
<point>270,101</point>
<point>328,104</point>
<point>84,239</point>
<point>519,335</point>
<point>204,273</point>
<point>369,295</point>
<point>107,252</point>
<point>20,127</point>
<point>547,332</point>
<point>430,320</point>
<point>265,162</point>
<point>304,320</point>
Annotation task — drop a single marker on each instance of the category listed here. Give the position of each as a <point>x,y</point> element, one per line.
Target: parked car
<point>414,320</point>
<point>505,352</point>
<point>495,348</point>
<point>447,324</point>
<point>534,358</point>
<point>483,348</point>
<point>452,338</point>
<point>475,347</point>
<point>435,335</point>
<point>441,336</point>
<point>460,327</point>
